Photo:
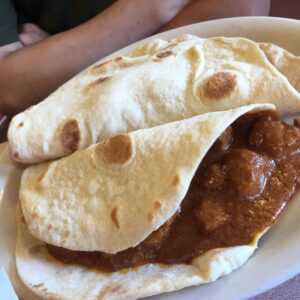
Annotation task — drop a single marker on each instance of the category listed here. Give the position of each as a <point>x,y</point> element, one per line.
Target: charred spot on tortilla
<point>98,68</point>
<point>41,285</point>
<point>164,54</point>
<point>99,80</point>
<point>70,136</point>
<point>117,150</point>
<point>150,216</point>
<point>114,217</point>
<point>96,82</point>
<point>170,46</point>
<point>176,180</point>
<point>157,205</point>
<point>21,124</point>
<point>220,85</point>
<point>42,288</point>
<point>101,67</point>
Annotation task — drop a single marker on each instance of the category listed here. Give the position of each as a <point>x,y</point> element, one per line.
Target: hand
<point>31,34</point>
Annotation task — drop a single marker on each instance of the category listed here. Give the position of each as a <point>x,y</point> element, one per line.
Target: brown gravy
<point>239,190</point>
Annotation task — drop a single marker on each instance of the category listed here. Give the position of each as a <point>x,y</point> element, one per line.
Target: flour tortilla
<point>156,84</point>
<point>287,63</point>
<point>53,280</point>
<point>112,195</point>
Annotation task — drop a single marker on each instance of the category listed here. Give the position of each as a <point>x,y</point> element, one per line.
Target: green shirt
<point>53,16</point>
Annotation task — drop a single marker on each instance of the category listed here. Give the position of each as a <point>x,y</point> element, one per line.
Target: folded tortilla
<point>287,63</point>
<point>110,197</point>
<point>155,84</point>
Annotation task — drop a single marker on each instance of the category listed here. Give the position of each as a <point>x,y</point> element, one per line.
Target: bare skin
<point>285,9</point>
<point>36,65</point>
<point>30,34</point>
<point>204,10</point>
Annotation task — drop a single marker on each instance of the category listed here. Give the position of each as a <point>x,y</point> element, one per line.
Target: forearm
<point>204,10</point>
<point>30,74</point>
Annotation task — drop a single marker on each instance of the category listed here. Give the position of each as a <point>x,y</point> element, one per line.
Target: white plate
<point>277,258</point>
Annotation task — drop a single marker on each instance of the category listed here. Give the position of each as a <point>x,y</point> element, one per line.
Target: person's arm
<point>29,74</point>
<point>8,49</point>
<point>204,10</point>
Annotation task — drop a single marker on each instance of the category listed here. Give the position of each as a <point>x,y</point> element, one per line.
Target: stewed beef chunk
<point>214,177</point>
<point>297,122</point>
<point>247,173</point>
<point>275,138</point>
<point>210,214</point>
<point>243,173</point>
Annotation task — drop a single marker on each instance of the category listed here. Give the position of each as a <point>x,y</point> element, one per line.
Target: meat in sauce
<point>297,122</point>
<point>247,173</point>
<point>224,140</point>
<point>239,190</point>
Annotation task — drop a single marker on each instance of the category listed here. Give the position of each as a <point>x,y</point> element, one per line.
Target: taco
<point>158,209</point>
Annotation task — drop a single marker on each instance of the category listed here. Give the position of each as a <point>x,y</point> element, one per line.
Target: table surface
<point>289,290</point>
